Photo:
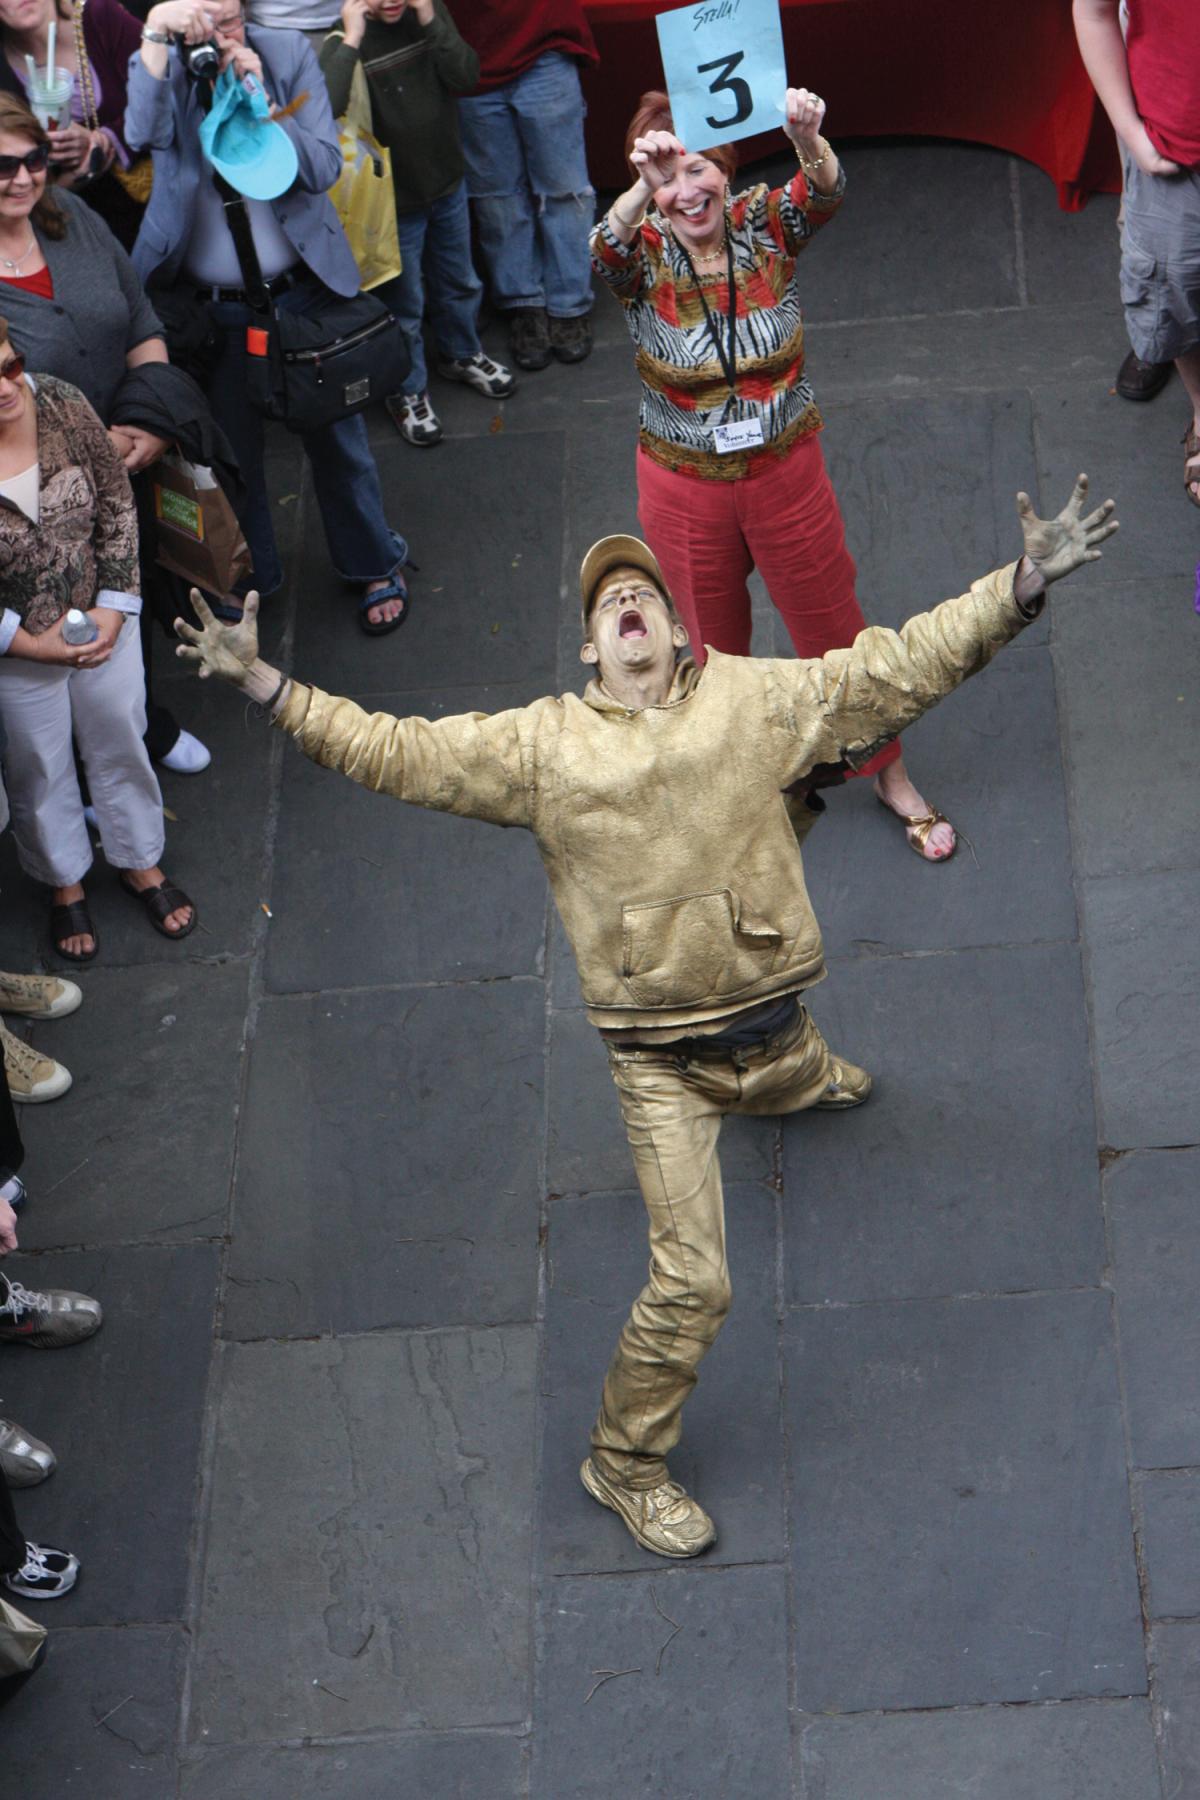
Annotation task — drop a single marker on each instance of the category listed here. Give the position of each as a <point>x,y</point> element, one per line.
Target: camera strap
<point>258,295</point>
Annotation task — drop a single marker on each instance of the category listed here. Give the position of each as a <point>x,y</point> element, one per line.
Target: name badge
<point>743,434</point>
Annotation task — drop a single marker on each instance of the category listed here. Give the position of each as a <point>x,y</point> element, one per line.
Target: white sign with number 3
<point>726,76</point>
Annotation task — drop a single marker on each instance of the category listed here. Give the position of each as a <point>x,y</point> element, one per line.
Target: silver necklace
<point>14,263</point>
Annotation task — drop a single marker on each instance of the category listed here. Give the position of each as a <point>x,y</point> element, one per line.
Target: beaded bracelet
<point>811,168</point>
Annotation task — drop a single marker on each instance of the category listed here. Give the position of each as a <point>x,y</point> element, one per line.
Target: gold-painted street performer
<point>657,804</point>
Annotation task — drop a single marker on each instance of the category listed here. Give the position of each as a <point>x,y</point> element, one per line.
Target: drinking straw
<point>31,67</point>
<point>50,48</point>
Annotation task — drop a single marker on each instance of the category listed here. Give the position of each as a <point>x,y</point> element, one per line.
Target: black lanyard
<point>726,358</point>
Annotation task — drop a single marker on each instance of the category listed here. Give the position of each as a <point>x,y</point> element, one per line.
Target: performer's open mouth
<point>632,624</point>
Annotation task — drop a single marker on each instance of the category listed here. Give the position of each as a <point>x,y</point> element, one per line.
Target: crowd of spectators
<point>128,325</point>
<point>128,307</point>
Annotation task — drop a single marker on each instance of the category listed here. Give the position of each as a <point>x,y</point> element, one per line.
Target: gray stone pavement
<point>348,1174</point>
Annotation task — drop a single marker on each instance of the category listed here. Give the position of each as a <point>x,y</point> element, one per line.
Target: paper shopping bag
<point>199,537</point>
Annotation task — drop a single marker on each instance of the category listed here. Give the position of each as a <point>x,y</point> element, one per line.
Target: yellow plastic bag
<point>364,198</point>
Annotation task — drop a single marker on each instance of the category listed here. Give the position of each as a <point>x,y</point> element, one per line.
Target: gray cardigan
<point>98,313</point>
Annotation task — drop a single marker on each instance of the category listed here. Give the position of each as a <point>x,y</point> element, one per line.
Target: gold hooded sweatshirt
<point>664,831</point>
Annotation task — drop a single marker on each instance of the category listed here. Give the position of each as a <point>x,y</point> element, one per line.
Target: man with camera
<point>186,244</point>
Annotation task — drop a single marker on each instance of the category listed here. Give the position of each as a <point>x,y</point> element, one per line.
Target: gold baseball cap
<point>620,551</point>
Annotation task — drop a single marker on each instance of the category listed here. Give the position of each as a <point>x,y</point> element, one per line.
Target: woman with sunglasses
<point>88,152</point>
<point>68,539</point>
<point>729,467</point>
<point>78,311</point>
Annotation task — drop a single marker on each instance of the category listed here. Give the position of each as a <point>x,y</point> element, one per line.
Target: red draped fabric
<point>1001,72</point>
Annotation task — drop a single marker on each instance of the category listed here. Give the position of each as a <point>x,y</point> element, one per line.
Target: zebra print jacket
<point>684,390</point>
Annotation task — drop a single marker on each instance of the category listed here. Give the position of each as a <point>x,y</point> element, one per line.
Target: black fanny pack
<point>311,368</point>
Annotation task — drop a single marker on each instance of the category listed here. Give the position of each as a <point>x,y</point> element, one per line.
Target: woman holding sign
<point>729,464</point>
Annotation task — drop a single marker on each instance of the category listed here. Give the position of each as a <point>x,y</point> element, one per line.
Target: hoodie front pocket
<point>699,947</point>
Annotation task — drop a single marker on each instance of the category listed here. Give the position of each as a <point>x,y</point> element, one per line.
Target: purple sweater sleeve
<point>111,35</point>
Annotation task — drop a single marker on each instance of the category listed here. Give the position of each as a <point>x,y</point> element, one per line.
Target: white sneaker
<point>38,996</point>
<point>415,419</point>
<point>480,372</point>
<point>187,755</point>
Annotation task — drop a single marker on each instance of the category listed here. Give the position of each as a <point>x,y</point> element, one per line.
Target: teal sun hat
<point>243,143</point>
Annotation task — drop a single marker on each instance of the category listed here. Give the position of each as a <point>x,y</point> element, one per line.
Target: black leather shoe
<point>1138,380</point>
<point>529,337</point>
<point>571,339</point>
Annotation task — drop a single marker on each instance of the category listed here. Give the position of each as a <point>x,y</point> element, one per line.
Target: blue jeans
<point>362,546</point>
<point>440,236</point>
<point>528,181</point>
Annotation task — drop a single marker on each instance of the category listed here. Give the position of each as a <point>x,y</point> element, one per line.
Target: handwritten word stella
<point>708,15</point>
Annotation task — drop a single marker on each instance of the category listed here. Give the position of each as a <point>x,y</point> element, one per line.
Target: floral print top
<point>86,538</point>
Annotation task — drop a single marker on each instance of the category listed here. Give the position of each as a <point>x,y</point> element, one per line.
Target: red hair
<point>654,114</point>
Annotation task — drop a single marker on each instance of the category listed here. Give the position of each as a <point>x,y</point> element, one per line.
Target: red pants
<point>708,535</point>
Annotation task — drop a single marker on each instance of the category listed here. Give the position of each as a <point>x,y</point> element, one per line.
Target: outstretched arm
<point>472,764</point>
<point>867,694</point>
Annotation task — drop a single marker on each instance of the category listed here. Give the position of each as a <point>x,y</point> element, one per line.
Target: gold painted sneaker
<point>848,1086</point>
<point>664,1519</point>
<point>31,1078</point>
<point>38,996</point>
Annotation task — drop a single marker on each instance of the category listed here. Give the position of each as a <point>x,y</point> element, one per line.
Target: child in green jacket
<point>415,64</point>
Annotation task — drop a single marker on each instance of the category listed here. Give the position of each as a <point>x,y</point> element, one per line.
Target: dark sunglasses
<point>34,160</point>
<point>13,369</point>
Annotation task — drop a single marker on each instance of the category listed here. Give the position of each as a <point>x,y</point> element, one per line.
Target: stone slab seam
<point>255,989</point>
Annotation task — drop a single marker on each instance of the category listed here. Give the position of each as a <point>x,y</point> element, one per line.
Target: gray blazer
<point>98,313</point>
<point>164,117</point>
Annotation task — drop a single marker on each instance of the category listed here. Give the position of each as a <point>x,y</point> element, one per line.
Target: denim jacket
<point>164,117</point>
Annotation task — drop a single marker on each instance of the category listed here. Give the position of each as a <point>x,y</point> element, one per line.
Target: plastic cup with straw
<point>50,89</point>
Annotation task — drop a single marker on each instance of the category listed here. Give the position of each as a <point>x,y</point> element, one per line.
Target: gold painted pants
<point>673,1106</point>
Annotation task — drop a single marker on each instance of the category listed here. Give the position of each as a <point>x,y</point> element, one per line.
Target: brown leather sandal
<point>159,903</point>
<point>73,920</point>
<point>1191,449</point>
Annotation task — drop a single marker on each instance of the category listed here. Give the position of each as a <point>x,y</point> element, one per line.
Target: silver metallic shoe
<point>45,1319</point>
<point>24,1459</point>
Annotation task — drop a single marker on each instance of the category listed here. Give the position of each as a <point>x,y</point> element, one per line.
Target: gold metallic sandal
<point>921,825</point>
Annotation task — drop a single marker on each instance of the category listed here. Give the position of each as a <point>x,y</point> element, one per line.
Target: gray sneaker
<point>46,1319</point>
<point>24,1459</point>
<point>664,1519</point>
<point>489,378</point>
<point>415,419</point>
